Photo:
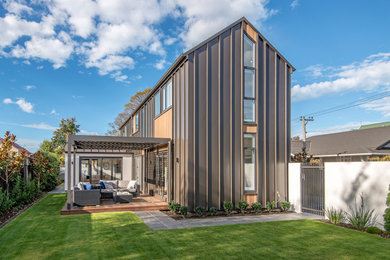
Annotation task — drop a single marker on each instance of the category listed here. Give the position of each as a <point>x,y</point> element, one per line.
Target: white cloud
<point>294,4</point>
<point>373,73</point>
<point>382,105</point>
<point>204,17</point>
<point>84,132</point>
<point>29,87</point>
<point>161,64</point>
<point>42,126</point>
<point>339,128</point>
<point>54,112</point>
<point>107,35</point>
<point>22,103</point>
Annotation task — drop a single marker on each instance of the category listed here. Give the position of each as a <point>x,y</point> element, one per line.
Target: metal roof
<point>94,142</point>
<point>369,141</point>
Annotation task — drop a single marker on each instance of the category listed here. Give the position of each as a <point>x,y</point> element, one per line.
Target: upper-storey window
<point>137,122</point>
<point>131,126</point>
<point>163,99</point>
<point>249,80</point>
<point>124,132</point>
<point>157,108</point>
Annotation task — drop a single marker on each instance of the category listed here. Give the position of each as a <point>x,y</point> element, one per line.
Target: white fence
<point>344,182</point>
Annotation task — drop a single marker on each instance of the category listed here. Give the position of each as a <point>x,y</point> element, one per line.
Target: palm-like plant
<point>361,216</point>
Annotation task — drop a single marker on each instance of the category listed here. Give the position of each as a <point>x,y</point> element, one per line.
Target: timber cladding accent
<point>163,125</point>
<point>250,198</point>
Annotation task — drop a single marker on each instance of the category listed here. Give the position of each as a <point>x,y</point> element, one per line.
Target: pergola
<point>105,144</point>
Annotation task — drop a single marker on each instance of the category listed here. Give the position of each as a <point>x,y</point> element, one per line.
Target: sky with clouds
<point>85,58</point>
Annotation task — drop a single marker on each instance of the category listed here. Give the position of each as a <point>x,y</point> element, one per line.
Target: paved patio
<point>157,220</point>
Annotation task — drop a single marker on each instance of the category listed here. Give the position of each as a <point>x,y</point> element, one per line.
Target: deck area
<point>141,203</point>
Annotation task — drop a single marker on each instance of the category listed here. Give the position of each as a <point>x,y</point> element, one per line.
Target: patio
<point>141,203</point>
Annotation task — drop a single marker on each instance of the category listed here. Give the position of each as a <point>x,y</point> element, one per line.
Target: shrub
<point>373,230</point>
<point>334,216</point>
<point>173,206</point>
<point>285,205</point>
<point>387,213</point>
<point>243,205</point>
<point>213,211</point>
<point>5,202</point>
<point>18,194</point>
<point>270,205</point>
<point>361,216</point>
<point>256,206</point>
<point>228,206</point>
<point>183,210</point>
<point>199,210</point>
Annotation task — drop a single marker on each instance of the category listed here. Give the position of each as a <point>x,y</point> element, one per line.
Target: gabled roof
<point>20,148</point>
<point>371,141</point>
<point>182,57</point>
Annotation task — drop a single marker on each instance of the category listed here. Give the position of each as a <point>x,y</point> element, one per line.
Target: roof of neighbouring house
<point>370,141</point>
<point>20,148</point>
<point>375,125</point>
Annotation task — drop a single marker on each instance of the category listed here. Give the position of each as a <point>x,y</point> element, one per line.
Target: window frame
<point>163,98</point>
<point>100,158</point>
<point>254,151</point>
<point>245,68</point>
<point>136,121</point>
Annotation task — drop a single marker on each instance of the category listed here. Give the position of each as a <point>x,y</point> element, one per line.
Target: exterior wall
<point>163,125</point>
<point>344,182</point>
<point>294,186</point>
<point>208,122</point>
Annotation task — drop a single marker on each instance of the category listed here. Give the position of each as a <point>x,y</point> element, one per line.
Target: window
<point>137,122</point>
<point>100,168</point>
<point>131,126</point>
<point>157,108</point>
<point>249,80</point>
<point>249,161</point>
<point>146,120</point>
<point>167,96</point>
<point>124,132</point>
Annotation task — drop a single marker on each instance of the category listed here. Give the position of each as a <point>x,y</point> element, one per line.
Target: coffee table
<point>122,197</point>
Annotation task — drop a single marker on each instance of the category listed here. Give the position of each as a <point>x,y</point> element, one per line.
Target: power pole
<point>304,123</point>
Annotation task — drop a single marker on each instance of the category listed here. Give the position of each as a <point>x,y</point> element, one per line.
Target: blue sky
<point>86,58</point>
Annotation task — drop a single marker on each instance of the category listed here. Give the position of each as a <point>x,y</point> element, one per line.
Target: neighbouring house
<point>351,146</point>
<point>215,127</point>
<point>17,148</point>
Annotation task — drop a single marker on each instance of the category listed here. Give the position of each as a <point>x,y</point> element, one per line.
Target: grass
<point>41,233</point>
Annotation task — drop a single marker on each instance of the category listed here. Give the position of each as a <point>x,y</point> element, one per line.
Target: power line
<point>348,105</point>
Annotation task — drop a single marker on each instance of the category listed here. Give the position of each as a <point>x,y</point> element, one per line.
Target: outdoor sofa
<point>107,188</point>
<point>85,195</point>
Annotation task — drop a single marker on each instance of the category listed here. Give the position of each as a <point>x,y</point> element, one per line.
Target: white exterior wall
<point>126,165</point>
<point>344,182</point>
<point>294,186</point>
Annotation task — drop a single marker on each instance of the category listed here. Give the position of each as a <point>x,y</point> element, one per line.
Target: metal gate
<point>313,188</point>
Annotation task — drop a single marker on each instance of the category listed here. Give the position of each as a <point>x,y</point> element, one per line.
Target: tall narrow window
<point>157,108</point>
<point>169,94</point>
<point>137,122</point>
<point>131,126</point>
<point>124,133</point>
<point>249,80</point>
<point>249,161</point>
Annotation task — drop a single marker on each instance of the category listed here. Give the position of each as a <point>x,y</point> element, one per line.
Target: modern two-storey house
<point>215,127</point>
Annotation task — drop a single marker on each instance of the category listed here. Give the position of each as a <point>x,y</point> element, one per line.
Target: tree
<point>41,168</point>
<point>46,147</point>
<point>11,163</point>
<point>134,102</point>
<point>66,127</point>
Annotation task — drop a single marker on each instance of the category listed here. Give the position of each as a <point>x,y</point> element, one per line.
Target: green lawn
<point>41,233</point>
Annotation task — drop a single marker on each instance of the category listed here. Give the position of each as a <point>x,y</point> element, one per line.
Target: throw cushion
<point>102,184</point>
<point>132,184</point>
<point>108,185</point>
<point>80,186</point>
<point>88,186</point>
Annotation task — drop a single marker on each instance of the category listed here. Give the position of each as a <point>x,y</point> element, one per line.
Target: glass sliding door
<point>84,170</point>
<point>95,169</point>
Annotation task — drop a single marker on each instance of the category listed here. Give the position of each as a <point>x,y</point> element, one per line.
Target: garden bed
<point>349,226</point>
<point>220,213</point>
<point>12,213</point>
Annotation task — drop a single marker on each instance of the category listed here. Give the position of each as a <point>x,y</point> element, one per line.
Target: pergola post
<point>69,174</point>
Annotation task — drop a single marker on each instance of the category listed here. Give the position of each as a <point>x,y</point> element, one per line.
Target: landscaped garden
<point>42,233</point>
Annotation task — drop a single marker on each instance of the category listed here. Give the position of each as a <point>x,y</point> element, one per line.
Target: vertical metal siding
<point>207,123</point>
